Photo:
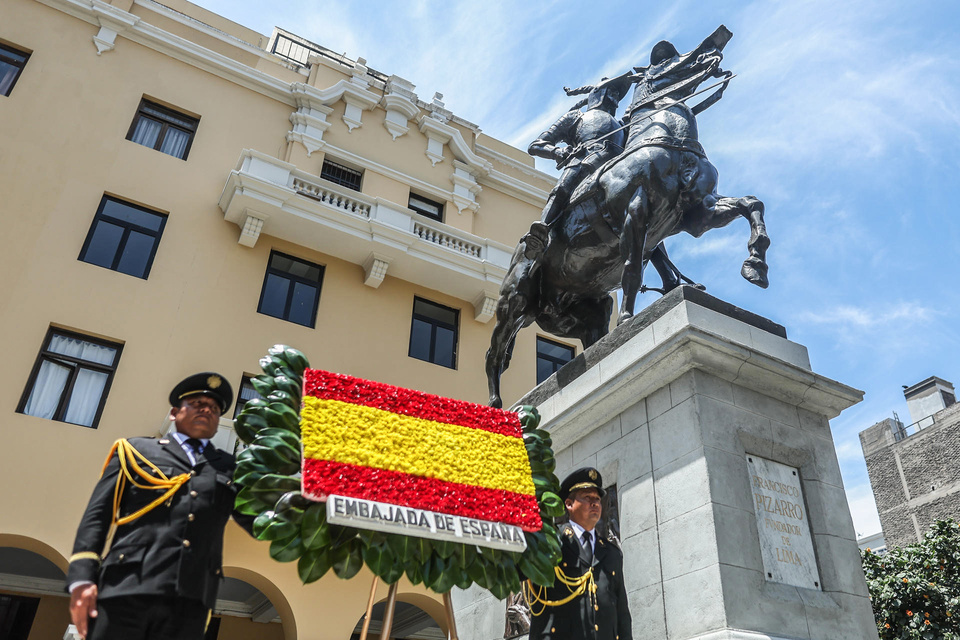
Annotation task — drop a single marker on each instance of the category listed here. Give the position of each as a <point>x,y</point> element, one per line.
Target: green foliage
<point>298,530</point>
<point>915,590</point>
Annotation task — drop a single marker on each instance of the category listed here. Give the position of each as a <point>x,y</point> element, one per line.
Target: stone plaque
<point>785,541</point>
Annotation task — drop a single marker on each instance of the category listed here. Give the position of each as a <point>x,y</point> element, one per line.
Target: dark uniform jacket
<point>578,620</point>
<point>175,549</point>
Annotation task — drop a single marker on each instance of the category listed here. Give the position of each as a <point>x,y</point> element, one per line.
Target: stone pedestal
<point>734,523</point>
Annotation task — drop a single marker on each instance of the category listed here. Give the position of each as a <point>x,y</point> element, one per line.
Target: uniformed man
<point>166,502</point>
<point>588,600</point>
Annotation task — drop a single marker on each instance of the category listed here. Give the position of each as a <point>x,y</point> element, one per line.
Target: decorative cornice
<point>516,188</point>
<point>525,169</point>
<point>314,98</point>
<point>296,94</point>
<point>451,136</point>
<point>404,105</point>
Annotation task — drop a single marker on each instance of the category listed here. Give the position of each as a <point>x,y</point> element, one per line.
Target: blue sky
<point>844,119</point>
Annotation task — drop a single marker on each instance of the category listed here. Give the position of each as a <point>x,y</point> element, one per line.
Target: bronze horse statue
<point>616,219</point>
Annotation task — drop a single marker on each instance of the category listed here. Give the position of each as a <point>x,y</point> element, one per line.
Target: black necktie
<point>587,546</point>
<point>197,447</point>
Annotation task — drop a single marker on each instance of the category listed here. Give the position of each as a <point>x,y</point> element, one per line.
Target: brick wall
<point>928,488</point>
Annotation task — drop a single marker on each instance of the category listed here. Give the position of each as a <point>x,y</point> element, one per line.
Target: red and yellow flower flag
<point>378,442</point>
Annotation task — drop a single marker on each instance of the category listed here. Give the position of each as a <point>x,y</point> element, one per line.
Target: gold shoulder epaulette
<point>536,595</point>
<point>128,457</point>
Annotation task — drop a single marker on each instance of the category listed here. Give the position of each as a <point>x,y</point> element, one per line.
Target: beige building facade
<point>179,194</point>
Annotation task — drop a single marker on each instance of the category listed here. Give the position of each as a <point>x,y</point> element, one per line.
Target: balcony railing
<point>266,196</point>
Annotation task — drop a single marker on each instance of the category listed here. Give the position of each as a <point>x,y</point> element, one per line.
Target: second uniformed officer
<point>588,600</point>
<point>170,500</point>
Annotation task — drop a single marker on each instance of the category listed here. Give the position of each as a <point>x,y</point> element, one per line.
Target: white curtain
<point>146,132</point>
<point>53,376</point>
<point>47,389</point>
<point>175,142</point>
<point>82,349</point>
<point>85,399</point>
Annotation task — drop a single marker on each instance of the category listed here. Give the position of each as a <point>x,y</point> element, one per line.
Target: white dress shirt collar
<point>578,530</point>
<point>182,440</point>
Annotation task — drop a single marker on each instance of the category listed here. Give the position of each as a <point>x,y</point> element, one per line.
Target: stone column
<point>734,522</point>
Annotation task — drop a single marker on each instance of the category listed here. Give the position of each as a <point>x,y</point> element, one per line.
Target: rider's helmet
<point>662,51</point>
<point>604,93</point>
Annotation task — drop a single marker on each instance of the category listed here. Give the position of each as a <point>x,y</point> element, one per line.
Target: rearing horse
<point>660,185</point>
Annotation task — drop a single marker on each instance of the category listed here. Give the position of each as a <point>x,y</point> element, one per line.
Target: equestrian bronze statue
<point>625,187</point>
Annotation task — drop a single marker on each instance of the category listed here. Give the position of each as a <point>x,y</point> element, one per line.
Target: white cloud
<point>863,510</point>
<point>862,318</point>
<point>820,82</point>
<point>709,246</point>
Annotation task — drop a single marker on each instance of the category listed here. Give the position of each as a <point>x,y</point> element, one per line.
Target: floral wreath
<point>268,473</point>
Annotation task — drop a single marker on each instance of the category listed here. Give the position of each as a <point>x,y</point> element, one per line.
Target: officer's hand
<point>83,605</point>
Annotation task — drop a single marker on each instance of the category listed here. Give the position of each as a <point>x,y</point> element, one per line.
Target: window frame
<point>557,365</point>
<point>127,227</point>
<point>20,65</point>
<point>244,382</point>
<point>294,278</point>
<point>433,332</point>
<point>63,403</point>
<point>337,180</point>
<point>424,212</point>
<point>165,125</point>
<point>19,619</point>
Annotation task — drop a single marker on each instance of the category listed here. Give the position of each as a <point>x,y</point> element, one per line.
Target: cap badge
<point>592,474</point>
<point>214,382</point>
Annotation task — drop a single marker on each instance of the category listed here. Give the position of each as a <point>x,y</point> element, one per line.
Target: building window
<point>71,378</point>
<point>341,175</point>
<point>245,393</point>
<point>123,237</point>
<point>433,335</point>
<point>426,207</point>
<point>163,129</point>
<point>11,64</point>
<point>291,289</point>
<point>16,616</point>
<point>550,357</point>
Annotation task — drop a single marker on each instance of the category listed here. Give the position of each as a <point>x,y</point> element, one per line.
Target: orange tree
<point>915,590</point>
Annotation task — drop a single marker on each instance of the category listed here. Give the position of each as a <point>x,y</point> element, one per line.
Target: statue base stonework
<point>733,518</point>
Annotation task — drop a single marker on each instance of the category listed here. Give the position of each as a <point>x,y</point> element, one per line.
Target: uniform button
<point>229,482</point>
<point>553,629</point>
<point>193,494</point>
<point>190,517</point>
<point>193,473</point>
<point>186,543</point>
<point>564,564</point>
<point>217,572</point>
<point>596,627</point>
<point>120,557</point>
<point>596,607</point>
<point>613,573</point>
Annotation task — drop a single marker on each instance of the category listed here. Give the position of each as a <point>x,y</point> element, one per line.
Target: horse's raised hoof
<point>755,270</point>
<point>698,286</point>
<point>496,402</point>
<point>626,315</point>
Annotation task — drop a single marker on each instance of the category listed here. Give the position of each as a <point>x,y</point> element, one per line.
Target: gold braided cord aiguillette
<point>536,595</point>
<point>128,456</point>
